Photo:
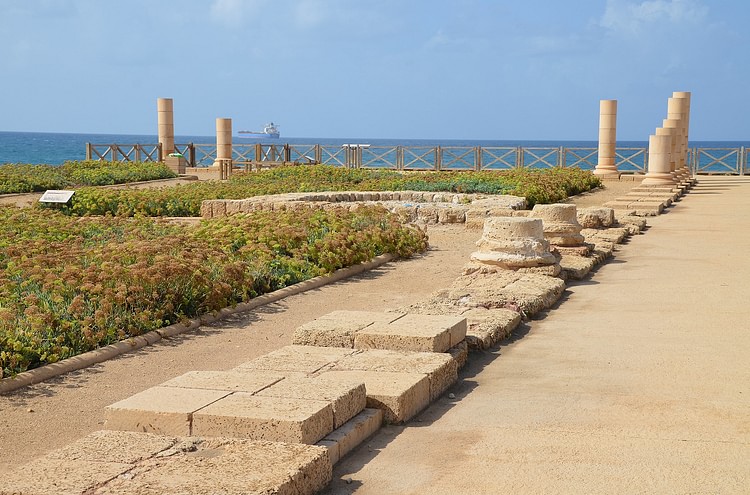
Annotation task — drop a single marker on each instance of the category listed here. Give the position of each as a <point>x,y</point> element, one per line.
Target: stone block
<point>474,218</point>
<point>60,476</point>
<point>525,293</point>
<point>126,447</point>
<point>427,214</point>
<point>296,358</point>
<point>337,329</point>
<point>596,217</point>
<point>347,398</point>
<point>355,431</point>
<point>453,214</point>
<point>440,368</point>
<point>399,395</point>
<point>229,467</point>
<point>430,333</point>
<point>577,267</point>
<point>460,354</point>
<point>276,419</point>
<point>161,410</point>
<point>207,209</point>
<point>488,327</point>
<point>231,381</point>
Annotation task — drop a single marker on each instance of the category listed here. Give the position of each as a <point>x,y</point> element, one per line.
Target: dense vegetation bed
<point>69,285</point>
<point>536,185</point>
<point>24,178</point>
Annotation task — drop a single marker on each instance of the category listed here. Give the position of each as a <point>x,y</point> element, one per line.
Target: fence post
<point>318,154</point>
<point>287,153</point>
<point>191,155</point>
<point>438,158</point>
<point>137,152</point>
<point>561,159</point>
<point>478,158</point>
<point>399,157</point>
<point>88,151</point>
<point>519,157</point>
<point>740,168</point>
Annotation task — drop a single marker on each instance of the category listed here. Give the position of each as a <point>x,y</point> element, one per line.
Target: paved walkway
<point>638,383</point>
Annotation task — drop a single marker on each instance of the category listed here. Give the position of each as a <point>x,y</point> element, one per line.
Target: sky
<point>408,69</point>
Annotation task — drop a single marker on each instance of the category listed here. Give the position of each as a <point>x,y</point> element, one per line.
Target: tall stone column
<point>678,108</point>
<point>606,166</point>
<point>224,146</point>
<point>671,129</point>
<point>165,117</point>
<point>659,171</point>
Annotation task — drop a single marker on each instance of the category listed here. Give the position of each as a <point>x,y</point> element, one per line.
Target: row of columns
<point>165,117</point>
<point>667,147</point>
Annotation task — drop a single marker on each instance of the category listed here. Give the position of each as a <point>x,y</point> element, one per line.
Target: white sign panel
<point>56,196</point>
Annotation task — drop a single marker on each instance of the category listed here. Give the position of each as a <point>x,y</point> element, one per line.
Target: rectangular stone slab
<point>276,419</point>
<point>162,410</point>
<point>440,368</point>
<point>47,475</point>
<point>347,398</point>
<point>193,466</point>
<point>337,329</point>
<point>399,395</point>
<point>127,447</point>
<point>413,332</point>
<point>342,440</point>
<point>231,467</point>
<point>297,358</point>
<point>231,381</point>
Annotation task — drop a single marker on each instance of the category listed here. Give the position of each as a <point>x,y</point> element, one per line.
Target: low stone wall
<point>411,206</point>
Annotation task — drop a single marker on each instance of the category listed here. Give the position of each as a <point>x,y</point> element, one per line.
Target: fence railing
<point>628,160</point>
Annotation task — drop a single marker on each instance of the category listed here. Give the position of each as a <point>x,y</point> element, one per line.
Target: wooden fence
<point>628,160</point>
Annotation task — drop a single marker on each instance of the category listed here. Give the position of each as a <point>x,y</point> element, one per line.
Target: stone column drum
<point>513,242</point>
<point>165,118</point>
<point>606,166</point>
<point>659,172</point>
<point>560,224</point>
<point>224,146</point>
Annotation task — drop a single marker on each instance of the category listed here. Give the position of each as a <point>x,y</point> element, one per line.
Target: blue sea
<point>56,148</point>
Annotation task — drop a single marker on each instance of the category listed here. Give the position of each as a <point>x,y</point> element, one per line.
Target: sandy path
<point>46,416</point>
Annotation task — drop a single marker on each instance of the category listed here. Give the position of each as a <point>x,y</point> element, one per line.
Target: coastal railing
<point>628,160</point>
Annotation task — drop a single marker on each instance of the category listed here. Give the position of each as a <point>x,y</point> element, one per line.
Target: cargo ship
<point>269,131</point>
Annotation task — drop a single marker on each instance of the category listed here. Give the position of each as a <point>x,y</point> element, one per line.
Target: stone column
<point>515,243</point>
<point>165,117</point>
<point>560,224</point>
<point>224,146</point>
<point>671,129</point>
<point>606,166</point>
<point>678,108</point>
<point>659,172</point>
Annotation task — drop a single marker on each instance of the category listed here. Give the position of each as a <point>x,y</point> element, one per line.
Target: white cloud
<point>234,13</point>
<point>629,17</point>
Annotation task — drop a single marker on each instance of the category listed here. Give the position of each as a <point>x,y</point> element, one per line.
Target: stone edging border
<point>134,343</point>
